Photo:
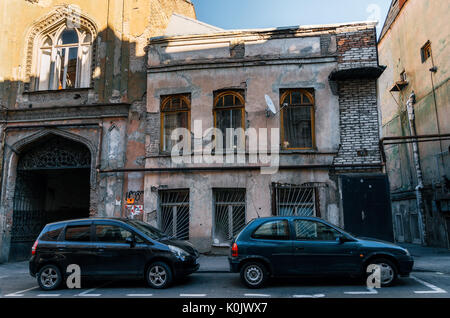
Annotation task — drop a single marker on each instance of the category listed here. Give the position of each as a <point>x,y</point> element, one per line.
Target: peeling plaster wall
<point>399,49</point>
<point>115,102</point>
<point>259,62</point>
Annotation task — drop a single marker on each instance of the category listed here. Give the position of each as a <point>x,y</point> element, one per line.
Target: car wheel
<point>388,271</point>
<point>159,275</point>
<point>49,277</point>
<point>254,275</point>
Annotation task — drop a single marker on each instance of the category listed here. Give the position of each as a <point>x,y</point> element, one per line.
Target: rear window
<point>273,230</point>
<point>51,233</point>
<point>78,233</point>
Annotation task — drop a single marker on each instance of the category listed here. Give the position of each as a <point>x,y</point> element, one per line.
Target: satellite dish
<point>270,106</point>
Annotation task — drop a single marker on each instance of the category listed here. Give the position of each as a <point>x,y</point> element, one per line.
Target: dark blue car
<point>298,246</point>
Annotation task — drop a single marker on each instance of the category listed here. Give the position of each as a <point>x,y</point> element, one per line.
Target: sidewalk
<point>210,263</point>
<point>429,259</point>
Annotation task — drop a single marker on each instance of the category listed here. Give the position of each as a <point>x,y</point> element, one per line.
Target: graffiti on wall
<point>134,204</point>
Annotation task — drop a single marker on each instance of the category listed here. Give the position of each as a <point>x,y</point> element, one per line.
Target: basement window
<point>229,215</point>
<point>173,217</point>
<point>292,200</point>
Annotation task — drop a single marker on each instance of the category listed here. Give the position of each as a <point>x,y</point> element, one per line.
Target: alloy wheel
<point>157,275</point>
<point>49,277</point>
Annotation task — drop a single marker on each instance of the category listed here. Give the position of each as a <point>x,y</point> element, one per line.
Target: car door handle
<point>61,249</point>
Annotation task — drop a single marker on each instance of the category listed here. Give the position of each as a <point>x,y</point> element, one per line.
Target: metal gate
<point>367,206</point>
<point>30,214</point>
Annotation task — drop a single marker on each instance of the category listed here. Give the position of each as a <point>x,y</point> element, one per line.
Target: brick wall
<point>358,123</point>
<point>357,48</point>
<point>153,130</point>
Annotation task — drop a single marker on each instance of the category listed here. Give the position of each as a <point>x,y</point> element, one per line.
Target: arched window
<point>175,113</point>
<point>229,113</point>
<point>297,119</point>
<point>65,59</point>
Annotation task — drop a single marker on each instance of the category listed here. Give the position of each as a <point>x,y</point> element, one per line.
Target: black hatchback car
<point>112,248</point>
<point>309,246</point>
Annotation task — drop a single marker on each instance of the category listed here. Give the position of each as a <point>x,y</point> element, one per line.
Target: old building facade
<point>72,96</point>
<point>414,47</point>
<point>322,135</point>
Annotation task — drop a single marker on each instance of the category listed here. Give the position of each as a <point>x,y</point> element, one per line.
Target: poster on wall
<point>134,207</point>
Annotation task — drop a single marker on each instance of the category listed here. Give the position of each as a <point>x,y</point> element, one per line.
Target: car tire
<point>159,275</point>
<point>254,275</point>
<point>49,277</point>
<point>389,271</point>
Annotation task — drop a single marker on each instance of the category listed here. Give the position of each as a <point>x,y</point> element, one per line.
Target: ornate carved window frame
<point>63,15</point>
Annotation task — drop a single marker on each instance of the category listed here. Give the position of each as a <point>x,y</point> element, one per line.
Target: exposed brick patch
<point>357,49</point>
<point>153,130</point>
<point>358,123</point>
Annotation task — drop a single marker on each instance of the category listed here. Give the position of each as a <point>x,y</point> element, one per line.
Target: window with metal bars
<point>173,218</point>
<point>292,200</point>
<point>229,214</point>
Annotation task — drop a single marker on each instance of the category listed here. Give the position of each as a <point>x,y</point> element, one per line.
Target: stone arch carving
<point>63,14</point>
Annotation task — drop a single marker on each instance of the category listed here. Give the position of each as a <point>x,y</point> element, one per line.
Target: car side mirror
<point>341,239</point>
<point>131,241</point>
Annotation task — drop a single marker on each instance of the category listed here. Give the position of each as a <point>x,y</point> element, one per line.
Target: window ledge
<point>59,91</point>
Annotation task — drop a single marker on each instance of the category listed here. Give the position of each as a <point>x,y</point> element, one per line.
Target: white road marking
<point>256,295</point>
<point>309,296</point>
<point>86,293</point>
<point>435,289</point>
<point>49,295</point>
<point>20,293</point>
<point>3,277</point>
<point>192,295</point>
<point>439,273</point>
<point>371,291</point>
<point>139,295</point>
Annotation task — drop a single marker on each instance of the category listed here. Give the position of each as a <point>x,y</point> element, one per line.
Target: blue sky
<point>247,14</point>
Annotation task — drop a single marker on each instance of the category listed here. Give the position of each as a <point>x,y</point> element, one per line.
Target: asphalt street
<point>15,282</point>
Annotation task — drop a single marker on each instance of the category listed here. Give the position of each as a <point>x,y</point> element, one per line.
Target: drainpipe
<point>420,205</point>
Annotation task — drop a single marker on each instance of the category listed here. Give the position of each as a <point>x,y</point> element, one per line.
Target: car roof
<point>125,220</point>
<point>290,217</point>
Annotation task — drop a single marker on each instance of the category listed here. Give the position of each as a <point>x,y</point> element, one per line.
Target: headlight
<point>180,253</point>
<point>407,252</point>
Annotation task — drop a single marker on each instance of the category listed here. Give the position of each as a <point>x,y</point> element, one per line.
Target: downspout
<point>415,145</point>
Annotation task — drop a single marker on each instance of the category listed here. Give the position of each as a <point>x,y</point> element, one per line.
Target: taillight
<point>33,249</point>
<point>234,250</point>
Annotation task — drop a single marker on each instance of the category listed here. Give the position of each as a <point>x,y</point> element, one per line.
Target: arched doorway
<point>52,184</point>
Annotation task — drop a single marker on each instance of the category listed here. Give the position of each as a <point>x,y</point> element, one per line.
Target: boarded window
<point>297,119</point>
<point>291,200</point>
<point>229,214</point>
<point>173,217</point>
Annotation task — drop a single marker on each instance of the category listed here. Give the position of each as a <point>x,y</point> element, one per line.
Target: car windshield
<point>148,230</point>
<point>344,231</point>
